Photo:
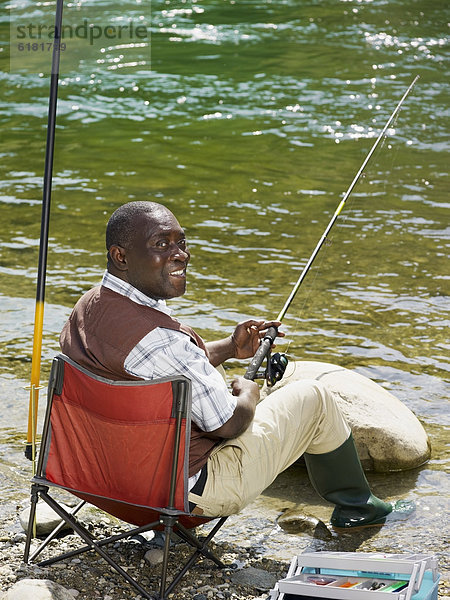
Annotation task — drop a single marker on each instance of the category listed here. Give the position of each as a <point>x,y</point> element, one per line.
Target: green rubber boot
<point>338,477</point>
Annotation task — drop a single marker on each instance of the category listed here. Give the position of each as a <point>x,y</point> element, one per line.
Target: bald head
<point>122,224</point>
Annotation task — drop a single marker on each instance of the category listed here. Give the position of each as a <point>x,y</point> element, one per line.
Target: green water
<point>249,120</point>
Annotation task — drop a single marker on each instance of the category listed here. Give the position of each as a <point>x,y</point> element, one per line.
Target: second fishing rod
<point>275,369</point>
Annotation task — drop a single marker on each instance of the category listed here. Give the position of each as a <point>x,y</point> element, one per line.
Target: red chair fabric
<point>111,444</point>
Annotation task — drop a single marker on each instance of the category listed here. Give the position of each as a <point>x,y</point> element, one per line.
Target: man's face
<point>157,260</point>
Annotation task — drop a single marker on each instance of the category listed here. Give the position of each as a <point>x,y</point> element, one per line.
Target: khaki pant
<point>300,417</point>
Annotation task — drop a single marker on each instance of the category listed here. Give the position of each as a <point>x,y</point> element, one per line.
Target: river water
<point>249,120</point>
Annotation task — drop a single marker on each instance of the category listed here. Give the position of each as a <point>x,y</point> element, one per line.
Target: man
<point>123,330</point>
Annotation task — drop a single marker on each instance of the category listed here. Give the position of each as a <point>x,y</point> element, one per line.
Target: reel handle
<point>261,353</point>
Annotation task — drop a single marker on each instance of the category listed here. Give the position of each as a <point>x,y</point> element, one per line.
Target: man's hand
<point>247,393</point>
<point>242,344</point>
<point>245,388</point>
<point>248,334</point>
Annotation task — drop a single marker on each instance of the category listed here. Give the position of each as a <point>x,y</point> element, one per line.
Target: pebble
<point>297,521</point>
<point>154,556</point>
<point>258,579</point>
<point>46,518</point>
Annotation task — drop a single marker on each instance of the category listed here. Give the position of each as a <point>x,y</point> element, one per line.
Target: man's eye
<point>161,244</point>
<point>182,244</point>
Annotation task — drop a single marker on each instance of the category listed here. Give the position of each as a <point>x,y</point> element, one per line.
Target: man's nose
<point>180,253</point>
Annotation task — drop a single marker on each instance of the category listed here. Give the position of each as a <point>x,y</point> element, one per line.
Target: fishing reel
<point>274,371</point>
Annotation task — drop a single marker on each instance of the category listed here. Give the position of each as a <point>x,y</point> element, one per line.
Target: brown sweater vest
<point>103,329</point>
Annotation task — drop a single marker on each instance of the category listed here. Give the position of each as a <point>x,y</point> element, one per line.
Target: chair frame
<point>169,517</point>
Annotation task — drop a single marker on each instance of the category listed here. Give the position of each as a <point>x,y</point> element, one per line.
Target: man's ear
<point>117,256</point>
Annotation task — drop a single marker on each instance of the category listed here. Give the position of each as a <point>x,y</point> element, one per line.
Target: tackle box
<point>359,576</point>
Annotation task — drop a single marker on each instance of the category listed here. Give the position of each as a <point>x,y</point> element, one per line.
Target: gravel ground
<point>248,576</point>
<point>256,549</point>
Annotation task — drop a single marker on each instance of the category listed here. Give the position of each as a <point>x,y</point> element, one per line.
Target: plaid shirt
<point>165,353</point>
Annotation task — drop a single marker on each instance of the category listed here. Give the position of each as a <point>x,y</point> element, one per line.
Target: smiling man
<point>123,329</point>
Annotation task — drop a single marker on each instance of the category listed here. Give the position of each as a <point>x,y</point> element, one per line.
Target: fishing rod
<point>30,447</point>
<point>271,333</point>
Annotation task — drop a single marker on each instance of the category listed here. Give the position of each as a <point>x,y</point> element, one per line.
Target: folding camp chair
<point>122,446</point>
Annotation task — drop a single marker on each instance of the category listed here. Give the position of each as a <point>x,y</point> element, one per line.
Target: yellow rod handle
<point>35,371</point>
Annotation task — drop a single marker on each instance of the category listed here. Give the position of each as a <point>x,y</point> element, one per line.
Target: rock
<point>154,556</point>
<point>388,435</point>
<point>297,521</point>
<point>46,518</point>
<point>258,579</point>
<point>38,589</point>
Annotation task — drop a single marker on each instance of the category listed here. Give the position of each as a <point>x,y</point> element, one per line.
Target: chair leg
<point>55,532</point>
<point>168,522</point>
<point>201,549</point>
<point>91,545</point>
<point>103,542</point>
<point>202,546</point>
<point>31,521</point>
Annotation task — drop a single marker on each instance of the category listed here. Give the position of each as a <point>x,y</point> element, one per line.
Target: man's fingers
<point>267,324</point>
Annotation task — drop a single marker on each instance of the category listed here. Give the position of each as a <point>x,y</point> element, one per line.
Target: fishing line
<point>354,203</point>
<point>271,333</point>
<point>365,177</point>
<point>317,269</point>
<point>394,148</point>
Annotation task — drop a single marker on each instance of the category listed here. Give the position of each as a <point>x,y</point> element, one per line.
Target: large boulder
<point>389,437</point>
